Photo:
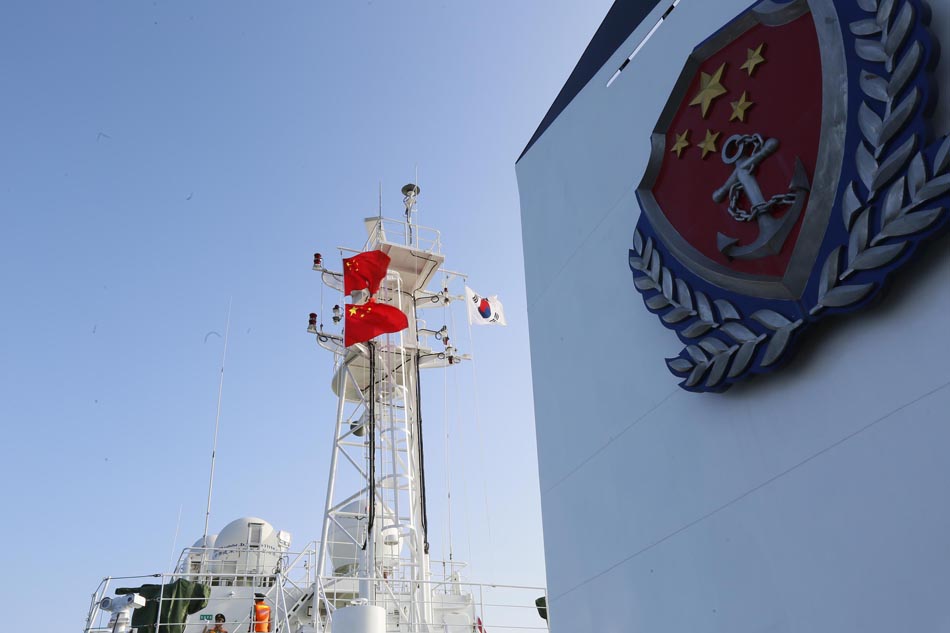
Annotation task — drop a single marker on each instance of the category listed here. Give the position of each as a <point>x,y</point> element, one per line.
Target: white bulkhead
<point>810,500</point>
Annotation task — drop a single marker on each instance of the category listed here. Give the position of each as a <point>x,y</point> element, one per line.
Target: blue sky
<point>160,158</point>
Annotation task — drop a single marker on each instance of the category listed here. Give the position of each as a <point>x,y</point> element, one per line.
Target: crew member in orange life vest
<point>260,615</point>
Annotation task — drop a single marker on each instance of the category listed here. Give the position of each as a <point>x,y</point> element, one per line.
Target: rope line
<point>447,525</point>
<point>371,510</point>
<point>456,417</point>
<point>481,443</point>
<point>422,468</point>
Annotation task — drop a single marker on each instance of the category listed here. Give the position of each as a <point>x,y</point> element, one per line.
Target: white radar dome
<point>249,545</point>
<point>197,558</point>
<point>205,542</point>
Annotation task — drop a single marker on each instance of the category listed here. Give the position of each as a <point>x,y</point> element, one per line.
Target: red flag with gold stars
<point>369,320</point>
<point>364,271</point>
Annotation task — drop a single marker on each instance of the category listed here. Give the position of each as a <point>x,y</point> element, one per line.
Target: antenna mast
<point>375,538</point>
<point>409,194</point>
<point>217,420</point>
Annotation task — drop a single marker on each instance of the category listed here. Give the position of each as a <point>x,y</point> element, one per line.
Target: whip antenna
<point>217,420</point>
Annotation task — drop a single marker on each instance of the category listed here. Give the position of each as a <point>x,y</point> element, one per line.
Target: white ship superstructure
<point>371,570</point>
<point>810,500</point>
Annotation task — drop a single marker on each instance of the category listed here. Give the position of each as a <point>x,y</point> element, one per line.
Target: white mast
<point>374,545</point>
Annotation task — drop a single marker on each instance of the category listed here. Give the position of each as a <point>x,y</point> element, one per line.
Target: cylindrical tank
<point>362,618</point>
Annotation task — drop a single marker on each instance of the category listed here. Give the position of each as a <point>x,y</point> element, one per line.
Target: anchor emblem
<point>746,152</point>
<point>745,242</point>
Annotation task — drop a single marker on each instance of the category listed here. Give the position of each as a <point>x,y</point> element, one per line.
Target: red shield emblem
<point>735,153</point>
<point>792,172</point>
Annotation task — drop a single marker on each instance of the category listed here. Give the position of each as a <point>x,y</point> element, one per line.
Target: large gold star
<point>709,143</point>
<point>739,107</point>
<point>353,311</point>
<point>753,59</point>
<point>709,88</point>
<point>681,143</point>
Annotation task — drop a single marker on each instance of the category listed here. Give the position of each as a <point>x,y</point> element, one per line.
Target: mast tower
<point>374,546</point>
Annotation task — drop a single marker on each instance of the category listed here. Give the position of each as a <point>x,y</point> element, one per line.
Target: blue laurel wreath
<point>886,213</point>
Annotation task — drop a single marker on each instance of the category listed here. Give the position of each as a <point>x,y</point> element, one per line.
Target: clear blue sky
<point>159,158</point>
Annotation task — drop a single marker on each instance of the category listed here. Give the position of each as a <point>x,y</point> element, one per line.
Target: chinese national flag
<point>364,271</point>
<point>366,321</point>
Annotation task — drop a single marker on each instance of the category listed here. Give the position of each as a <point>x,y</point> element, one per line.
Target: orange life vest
<point>261,617</point>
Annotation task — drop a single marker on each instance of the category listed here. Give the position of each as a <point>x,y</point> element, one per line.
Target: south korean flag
<point>484,310</point>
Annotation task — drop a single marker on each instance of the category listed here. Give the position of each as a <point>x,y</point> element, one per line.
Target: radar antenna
<point>409,194</point>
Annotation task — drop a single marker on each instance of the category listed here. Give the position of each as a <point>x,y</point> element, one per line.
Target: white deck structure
<point>371,571</point>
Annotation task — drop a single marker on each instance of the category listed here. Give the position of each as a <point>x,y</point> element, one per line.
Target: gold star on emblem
<point>709,88</point>
<point>681,143</point>
<point>353,311</point>
<point>709,143</point>
<point>753,59</point>
<point>739,107</point>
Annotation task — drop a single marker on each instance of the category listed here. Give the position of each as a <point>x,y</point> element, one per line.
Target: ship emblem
<point>793,171</point>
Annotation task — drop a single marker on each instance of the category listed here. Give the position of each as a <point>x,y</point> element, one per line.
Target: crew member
<point>218,625</point>
<point>260,615</point>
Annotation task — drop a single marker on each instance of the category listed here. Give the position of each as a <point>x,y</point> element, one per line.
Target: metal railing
<point>213,565</point>
<point>284,611</point>
<point>390,231</point>
<point>288,586</point>
<point>499,608</point>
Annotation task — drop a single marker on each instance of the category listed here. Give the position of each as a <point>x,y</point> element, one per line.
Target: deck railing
<point>290,584</point>
<point>289,580</point>
<point>499,608</point>
<point>389,231</point>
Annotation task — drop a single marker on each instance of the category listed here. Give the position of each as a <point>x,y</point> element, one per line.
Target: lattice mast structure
<point>374,544</point>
